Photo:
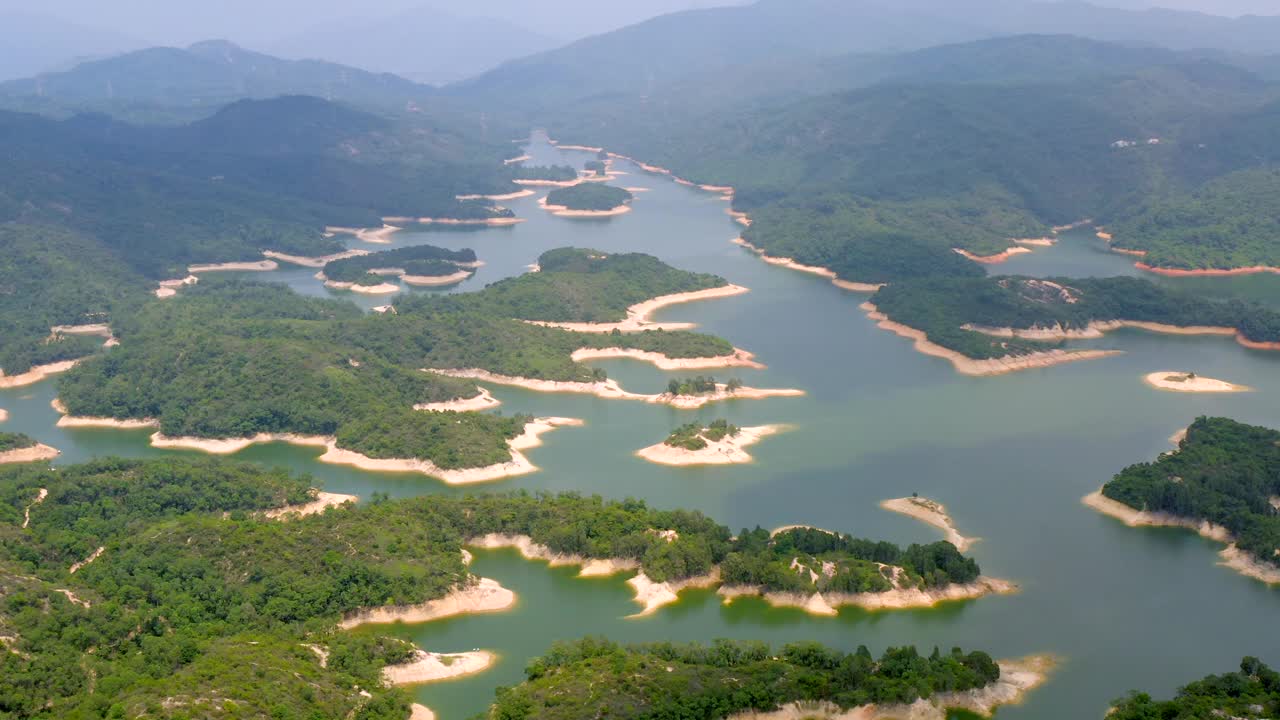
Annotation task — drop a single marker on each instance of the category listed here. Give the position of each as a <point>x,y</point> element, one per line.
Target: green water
<point>1011,456</point>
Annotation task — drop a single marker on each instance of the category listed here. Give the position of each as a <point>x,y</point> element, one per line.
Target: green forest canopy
<point>1251,693</point>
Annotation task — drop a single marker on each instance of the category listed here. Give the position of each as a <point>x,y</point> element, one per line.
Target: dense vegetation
<point>1231,222</point>
<point>1225,472</point>
<point>943,306</point>
<point>696,436</point>
<point>557,173</point>
<point>598,678</point>
<point>1251,693</point>
<point>592,196</point>
<point>194,584</point>
<point>700,385</point>
<point>579,285</point>
<point>15,441</point>
<point>425,260</point>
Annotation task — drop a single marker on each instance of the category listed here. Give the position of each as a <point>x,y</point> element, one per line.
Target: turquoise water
<point>1010,456</point>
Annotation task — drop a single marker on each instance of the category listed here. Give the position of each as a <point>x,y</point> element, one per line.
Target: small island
<point>419,265</point>
<point>1223,482</point>
<point>930,512</point>
<point>743,680</point>
<point>717,443</point>
<point>21,448</point>
<point>1250,693</point>
<point>588,200</point>
<point>693,393</point>
<point>1191,383</point>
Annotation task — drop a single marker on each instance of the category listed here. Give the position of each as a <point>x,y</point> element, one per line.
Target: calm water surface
<point>1011,456</point>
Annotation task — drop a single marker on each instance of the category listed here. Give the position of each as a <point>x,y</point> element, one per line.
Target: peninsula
<point>20,448</point>
<point>717,443</point>
<point>930,512</point>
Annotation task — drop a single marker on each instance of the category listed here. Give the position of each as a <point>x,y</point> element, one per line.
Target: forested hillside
<point>1250,693</point>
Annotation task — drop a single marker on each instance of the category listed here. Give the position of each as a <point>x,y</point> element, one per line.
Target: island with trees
<point>594,677</point>
<point>419,265</point>
<point>182,572</point>
<point>561,175</point>
<point>588,200</point>
<point>714,443</point>
<point>1001,324</point>
<point>1250,693</point>
<point>1223,481</point>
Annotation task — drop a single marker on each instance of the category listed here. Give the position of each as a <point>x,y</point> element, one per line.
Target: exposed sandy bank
<point>930,512</point>
<point>323,501</point>
<point>811,269</point>
<point>41,494</point>
<point>259,266</point>
<point>428,667</point>
<point>549,183</point>
<point>994,366</point>
<point>739,358</point>
<point>486,596</point>
<point>1186,382</point>
<point>637,319</point>
<point>517,159</point>
<point>611,390</point>
<point>36,453</point>
<point>992,259</point>
<point>436,280</point>
<point>654,596</point>
<point>566,212</point>
<point>1017,679</point>
<point>169,288</point>
<point>1037,242</point>
<point>420,712</point>
<point>69,421</point>
<point>902,598</point>
<point>379,289</point>
<point>1209,272</point>
<point>582,148</point>
<point>313,262</point>
<point>1104,235</point>
<point>590,567</point>
<point>4,415</point>
<point>729,451</point>
<point>36,374</point>
<point>376,236</point>
<point>1231,556</point>
<point>484,401</point>
<point>509,196</point>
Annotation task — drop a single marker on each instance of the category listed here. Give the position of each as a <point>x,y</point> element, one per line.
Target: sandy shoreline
<point>334,455</point>
<point>739,358</point>
<point>169,288</point>
<point>729,451</point>
<point>259,266</point>
<point>828,604</point>
<point>4,414</point>
<point>566,212</point>
<point>509,196</point>
<point>429,667</point>
<point>994,366</point>
<point>930,512</point>
<point>811,269</point>
<point>992,259</point>
<point>484,401</point>
<point>611,390</point>
<point>420,712</point>
<point>637,319</point>
<point>1207,272</point>
<point>379,289</point>
<point>1097,329</point>
<point>377,236</point>
<point>491,222</point>
<point>529,550</point>
<point>1017,679</point>
<point>517,159</point>
<point>36,453</point>
<point>1231,556</point>
<point>36,374</point>
<point>654,595</point>
<point>313,262</point>
<point>323,501</point>
<point>1184,382</point>
<point>486,596</point>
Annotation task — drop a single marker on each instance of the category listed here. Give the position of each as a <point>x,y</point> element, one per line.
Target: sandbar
<point>260,266</point>
<point>932,513</point>
<point>4,414</point>
<point>1037,242</point>
<point>992,259</point>
<point>811,269</point>
<point>729,451</point>
<point>549,183</point>
<point>583,148</point>
<point>377,236</point>
<point>739,358</point>
<point>517,159</point>
<point>722,393</point>
<point>1017,679</point>
<point>492,222</point>
<point>637,319</point>
<point>428,667</point>
<point>483,401</point>
<point>420,712</point>
<point>1189,382</point>
<point>565,211</point>
<point>485,596</point>
<point>994,366</point>
<point>654,595</point>
<point>313,262</point>
<point>36,453</point>
<point>379,289</point>
<point>36,374</point>
<point>323,501</point>
<point>509,196</point>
